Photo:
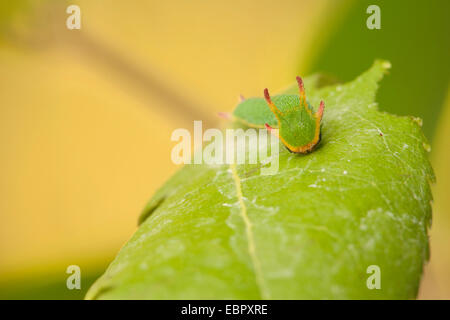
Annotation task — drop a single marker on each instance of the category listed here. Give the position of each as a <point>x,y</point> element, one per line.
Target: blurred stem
<point>48,31</point>
<point>148,84</point>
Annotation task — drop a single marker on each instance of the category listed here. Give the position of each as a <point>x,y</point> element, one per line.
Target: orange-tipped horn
<point>301,88</point>
<point>272,106</point>
<point>319,112</point>
<point>267,96</point>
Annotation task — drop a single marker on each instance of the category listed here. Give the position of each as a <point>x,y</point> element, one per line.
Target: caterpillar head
<point>298,124</point>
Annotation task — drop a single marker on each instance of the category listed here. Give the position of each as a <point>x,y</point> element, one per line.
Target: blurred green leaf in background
<point>413,36</point>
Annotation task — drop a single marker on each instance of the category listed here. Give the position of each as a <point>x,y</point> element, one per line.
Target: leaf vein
<point>249,233</point>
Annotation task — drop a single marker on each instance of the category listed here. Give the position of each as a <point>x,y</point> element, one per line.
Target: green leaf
<point>310,231</point>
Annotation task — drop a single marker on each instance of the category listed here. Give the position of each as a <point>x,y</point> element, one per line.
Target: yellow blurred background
<point>86,117</point>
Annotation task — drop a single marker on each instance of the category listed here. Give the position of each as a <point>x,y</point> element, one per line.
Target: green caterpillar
<point>298,125</point>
